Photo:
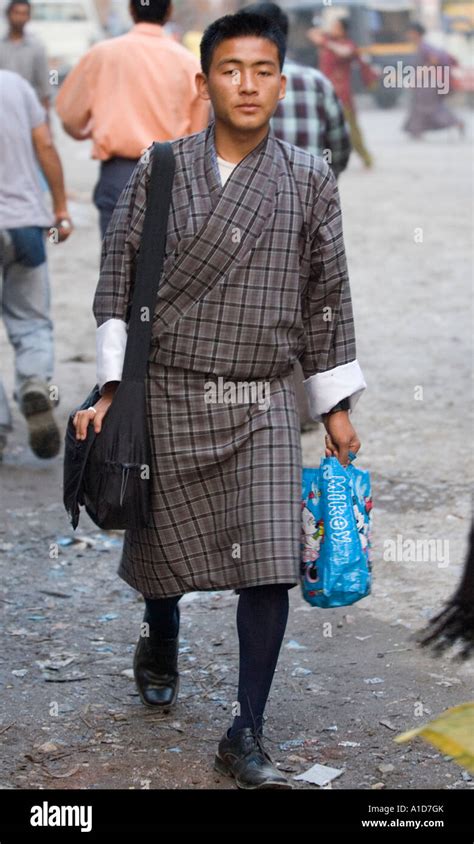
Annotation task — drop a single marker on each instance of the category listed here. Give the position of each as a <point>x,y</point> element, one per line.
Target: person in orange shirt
<point>127,92</point>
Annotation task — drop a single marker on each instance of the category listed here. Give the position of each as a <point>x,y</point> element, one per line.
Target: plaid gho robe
<point>254,278</point>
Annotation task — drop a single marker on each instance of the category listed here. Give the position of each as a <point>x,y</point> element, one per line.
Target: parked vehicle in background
<point>377,26</point>
<point>67,28</point>
<point>457,20</point>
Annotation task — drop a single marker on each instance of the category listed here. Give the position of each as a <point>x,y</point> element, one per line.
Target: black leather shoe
<point>244,758</point>
<point>155,668</point>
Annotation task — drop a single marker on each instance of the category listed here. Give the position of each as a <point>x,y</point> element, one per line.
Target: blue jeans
<point>25,307</point>
<point>114,175</point>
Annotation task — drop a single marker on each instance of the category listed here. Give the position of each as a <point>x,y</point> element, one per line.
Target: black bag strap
<point>149,262</point>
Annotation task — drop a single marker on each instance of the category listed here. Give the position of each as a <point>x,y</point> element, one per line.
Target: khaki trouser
<point>357,140</point>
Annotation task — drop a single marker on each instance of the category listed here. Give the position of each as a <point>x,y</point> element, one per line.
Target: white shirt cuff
<point>325,389</point>
<point>111,340</point>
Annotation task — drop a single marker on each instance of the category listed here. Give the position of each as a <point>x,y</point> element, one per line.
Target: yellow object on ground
<point>452,732</point>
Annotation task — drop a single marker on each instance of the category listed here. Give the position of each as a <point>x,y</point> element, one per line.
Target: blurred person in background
<point>337,54</point>
<point>428,109</point>
<point>25,142</point>
<point>310,117</point>
<point>127,92</point>
<point>22,53</point>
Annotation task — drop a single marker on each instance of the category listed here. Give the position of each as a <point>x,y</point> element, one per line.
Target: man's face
<point>337,30</point>
<point>244,82</point>
<point>18,17</point>
<point>413,35</point>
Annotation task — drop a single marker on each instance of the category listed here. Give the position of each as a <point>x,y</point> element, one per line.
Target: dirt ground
<point>71,717</point>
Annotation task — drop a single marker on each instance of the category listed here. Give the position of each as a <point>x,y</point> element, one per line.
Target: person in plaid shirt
<point>254,278</point>
<point>311,115</point>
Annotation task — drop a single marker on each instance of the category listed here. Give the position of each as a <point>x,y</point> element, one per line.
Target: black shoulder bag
<point>109,473</point>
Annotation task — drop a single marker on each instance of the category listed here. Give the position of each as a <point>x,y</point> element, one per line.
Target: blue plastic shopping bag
<point>336,509</point>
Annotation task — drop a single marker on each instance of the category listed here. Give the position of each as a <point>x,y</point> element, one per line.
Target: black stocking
<point>262,615</point>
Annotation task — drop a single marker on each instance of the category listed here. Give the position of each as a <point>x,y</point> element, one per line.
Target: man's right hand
<point>61,228</point>
<point>316,35</point>
<point>95,413</point>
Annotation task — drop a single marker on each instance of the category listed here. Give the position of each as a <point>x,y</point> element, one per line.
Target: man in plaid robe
<point>254,278</point>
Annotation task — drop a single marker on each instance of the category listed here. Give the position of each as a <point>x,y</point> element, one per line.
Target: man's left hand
<point>341,437</point>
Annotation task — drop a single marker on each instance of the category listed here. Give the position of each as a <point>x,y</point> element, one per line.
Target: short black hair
<point>271,11</point>
<point>345,23</point>
<point>17,3</point>
<point>153,11</point>
<point>236,26</point>
<point>416,27</point>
